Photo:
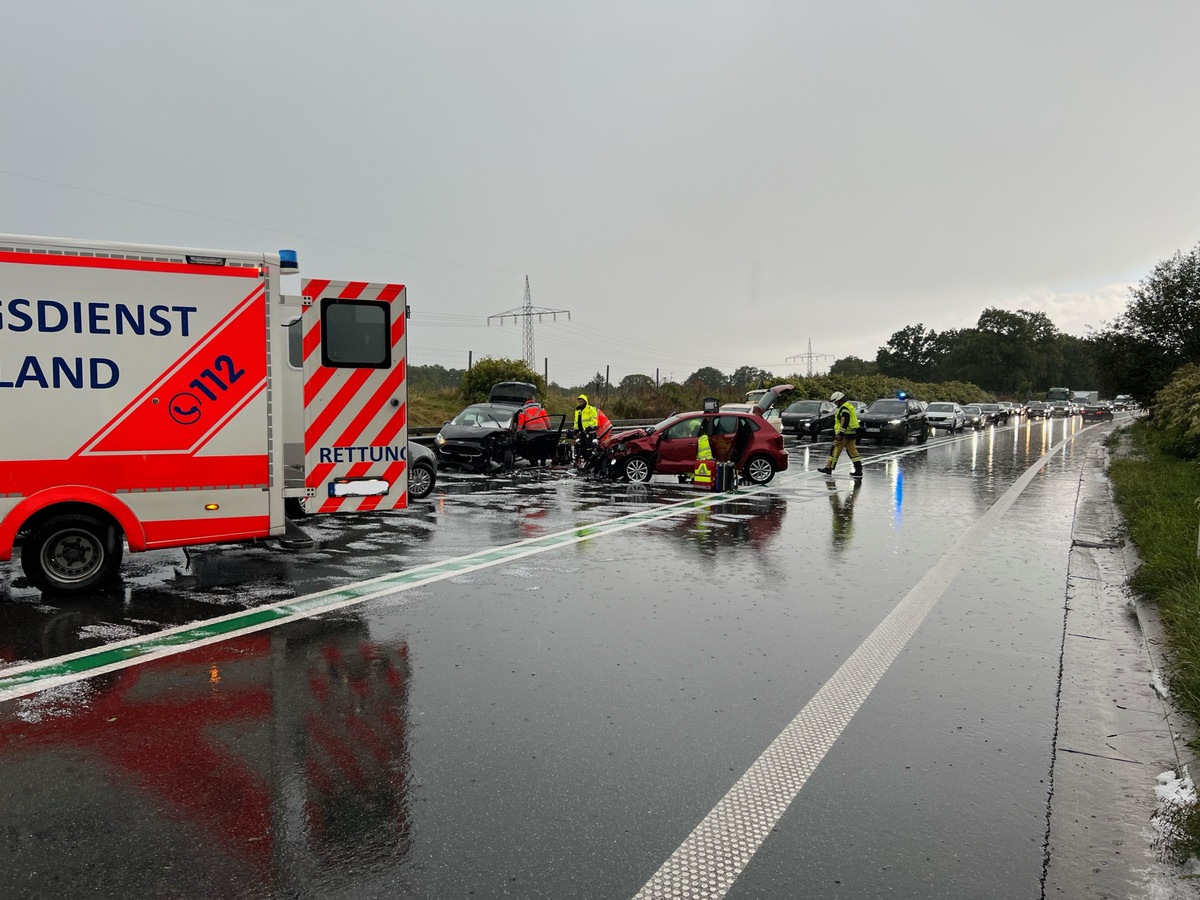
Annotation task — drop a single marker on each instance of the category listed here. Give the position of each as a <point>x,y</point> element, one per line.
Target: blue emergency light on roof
<point>901,395</point>
<point>288,264</point>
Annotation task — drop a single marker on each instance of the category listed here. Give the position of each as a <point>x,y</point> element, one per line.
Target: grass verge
<point>1157,494</point>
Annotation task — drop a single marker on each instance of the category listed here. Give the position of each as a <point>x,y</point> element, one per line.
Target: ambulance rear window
<point>355,334</point>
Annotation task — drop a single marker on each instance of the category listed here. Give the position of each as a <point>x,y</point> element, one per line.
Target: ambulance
<point>157,397</point>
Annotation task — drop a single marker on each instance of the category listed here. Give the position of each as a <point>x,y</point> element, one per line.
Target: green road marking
<point>20,681</point>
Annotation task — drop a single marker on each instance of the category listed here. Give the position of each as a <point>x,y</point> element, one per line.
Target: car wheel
<point>638,469</point>
<point>902,437</point>
<point>924,435</point>
<point>759,469</point>
<point>420,481</point>
<point>72,553</point>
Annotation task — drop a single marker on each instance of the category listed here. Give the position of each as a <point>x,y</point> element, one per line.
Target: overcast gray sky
<point>699,183</point>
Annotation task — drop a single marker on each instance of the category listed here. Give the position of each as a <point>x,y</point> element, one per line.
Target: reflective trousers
<point>840,443</point>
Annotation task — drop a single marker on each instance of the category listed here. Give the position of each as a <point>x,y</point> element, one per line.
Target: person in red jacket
<point>531,421</point>
<point>532,416</point>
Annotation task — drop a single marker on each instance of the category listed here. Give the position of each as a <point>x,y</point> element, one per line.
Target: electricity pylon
<point>527,311</point>
<point>810,356</point>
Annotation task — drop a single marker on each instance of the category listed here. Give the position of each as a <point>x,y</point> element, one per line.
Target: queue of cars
<point>484,438</point>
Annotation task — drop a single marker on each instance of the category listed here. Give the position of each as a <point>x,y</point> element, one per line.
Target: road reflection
<point>841,501</point>
<point>751,522</point>
<point>279,760</point>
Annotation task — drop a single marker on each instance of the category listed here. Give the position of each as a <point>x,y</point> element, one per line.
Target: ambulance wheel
<point>760,469</point>
<point>72,553</point>
<point>638,469</point>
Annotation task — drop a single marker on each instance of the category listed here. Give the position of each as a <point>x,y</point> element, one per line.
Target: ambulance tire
<point>759,469</point>
<point>72,553</point>
<point>638,469</point>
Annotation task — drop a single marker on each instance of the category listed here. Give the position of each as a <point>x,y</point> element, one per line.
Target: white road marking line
<point>711,858</point>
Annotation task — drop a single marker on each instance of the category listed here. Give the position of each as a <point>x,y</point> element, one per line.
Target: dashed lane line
<point>711,858</point>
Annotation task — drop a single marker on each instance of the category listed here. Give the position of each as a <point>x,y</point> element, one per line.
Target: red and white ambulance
<point>163,397</point>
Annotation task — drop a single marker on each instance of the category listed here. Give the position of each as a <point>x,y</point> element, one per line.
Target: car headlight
<point>439,440</point>
<point>893,421</point>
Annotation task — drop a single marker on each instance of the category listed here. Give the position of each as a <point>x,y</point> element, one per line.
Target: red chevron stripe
<point>313,434</point>
<point>314,385</point>
<point>313,290</point>
<point>392,473</point>
<point>354,431</point>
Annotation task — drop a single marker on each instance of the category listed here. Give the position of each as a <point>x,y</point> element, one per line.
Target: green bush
<point>1177,413</point>
<point>478,381</point>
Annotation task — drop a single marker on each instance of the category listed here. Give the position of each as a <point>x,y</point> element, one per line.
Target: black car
<point>994,412</point>
<point>484,438</point>
<point>975,418</point>
<point>809,417</point>
<point>1036,409</point>
<point>1100,412</point>
<point>895,420</point>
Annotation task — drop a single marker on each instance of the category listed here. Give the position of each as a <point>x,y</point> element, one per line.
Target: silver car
<point>946,415</point>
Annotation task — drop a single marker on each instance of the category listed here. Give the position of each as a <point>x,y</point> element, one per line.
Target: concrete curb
<point>1115,733</point>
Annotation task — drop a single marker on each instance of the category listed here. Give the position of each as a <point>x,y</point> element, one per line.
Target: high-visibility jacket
<point>532,417</point>
<point>703,447</point>
<point>603,425</point>
<point>848,413</point>
<point>588,417</point>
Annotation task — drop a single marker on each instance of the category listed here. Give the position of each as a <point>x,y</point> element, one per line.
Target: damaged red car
<point>744,438</point>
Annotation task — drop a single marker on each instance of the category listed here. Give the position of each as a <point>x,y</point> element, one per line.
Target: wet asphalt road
<point>558,724</point>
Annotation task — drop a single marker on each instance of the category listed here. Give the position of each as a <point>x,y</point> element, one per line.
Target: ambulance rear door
<point>355,396</point>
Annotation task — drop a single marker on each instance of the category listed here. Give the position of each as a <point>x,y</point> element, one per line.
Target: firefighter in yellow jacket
<point>586,415</point>
<point>845,433</point>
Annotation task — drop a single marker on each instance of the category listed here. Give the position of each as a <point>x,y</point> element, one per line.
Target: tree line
<point>1015,355</point>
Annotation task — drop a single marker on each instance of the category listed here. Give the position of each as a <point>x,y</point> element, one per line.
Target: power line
<point>526,312</point>
<point>810,356</point>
